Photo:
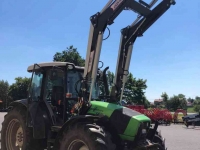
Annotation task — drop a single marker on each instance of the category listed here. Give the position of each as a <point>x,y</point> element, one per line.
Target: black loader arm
<point>99,22</point>
<point>128,37</point>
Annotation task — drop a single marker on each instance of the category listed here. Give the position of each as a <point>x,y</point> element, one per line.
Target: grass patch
<point>191,110</point>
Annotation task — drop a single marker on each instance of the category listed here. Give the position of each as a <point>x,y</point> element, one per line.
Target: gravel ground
<point>178,137</point>
<point>1,120</point>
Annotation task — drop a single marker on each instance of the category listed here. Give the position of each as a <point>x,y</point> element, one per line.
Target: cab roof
<point>51,64</point>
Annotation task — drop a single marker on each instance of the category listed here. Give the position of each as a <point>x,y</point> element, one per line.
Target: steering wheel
<point>76,87</point>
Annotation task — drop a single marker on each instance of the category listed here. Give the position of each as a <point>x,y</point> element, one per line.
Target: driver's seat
<point>57,95</point>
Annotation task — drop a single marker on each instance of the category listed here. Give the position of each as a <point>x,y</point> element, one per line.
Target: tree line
<point>15,91</point>
<point>134,91</point>
<point>178,102</point>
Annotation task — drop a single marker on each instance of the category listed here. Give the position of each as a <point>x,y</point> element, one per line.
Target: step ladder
<point>50,140</point>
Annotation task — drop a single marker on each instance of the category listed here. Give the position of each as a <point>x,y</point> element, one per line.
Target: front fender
<point>81,118</point>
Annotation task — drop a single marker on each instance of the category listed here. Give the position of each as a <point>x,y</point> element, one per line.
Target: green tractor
<point>67,108</point>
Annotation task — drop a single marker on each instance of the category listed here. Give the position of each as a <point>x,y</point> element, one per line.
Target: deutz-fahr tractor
<point>71,108</point>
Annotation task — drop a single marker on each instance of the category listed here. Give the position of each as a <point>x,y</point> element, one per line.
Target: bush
<point>197,108</point>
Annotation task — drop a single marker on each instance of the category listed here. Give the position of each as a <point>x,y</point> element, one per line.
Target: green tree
<point>177,102</point>
<point>197,104</point>
<point>110,77</point>
<point>165,97</point>
<point>4,89</point>
<point>181,96</point>
<point>146,102</point>
<point>197,108</point>
<point>169,104</point>
<point>69,55</point>
<point>134,90</point>
<point>197,100</point>
<point>191,100</point>
<point>18,90</point>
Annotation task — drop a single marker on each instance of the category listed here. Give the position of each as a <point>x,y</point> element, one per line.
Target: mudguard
<point>22,102</point>
<point>81,118</point>
<point>38,117</point>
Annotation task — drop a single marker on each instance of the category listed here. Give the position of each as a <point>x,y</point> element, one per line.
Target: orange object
<point>59,102</point>
<point>68,95</point>
<point>179,111</point>
<point>77,106</point>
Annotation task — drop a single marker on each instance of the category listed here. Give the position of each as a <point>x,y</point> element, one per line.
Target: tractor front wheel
<point>86,137</point>
<point>158,139</point>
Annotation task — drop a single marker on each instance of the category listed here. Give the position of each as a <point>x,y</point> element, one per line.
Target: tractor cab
<point>53,85</point>
<point>57,85</point>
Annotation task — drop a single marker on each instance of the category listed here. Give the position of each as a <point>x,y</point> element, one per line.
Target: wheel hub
<point>19,137</point>
<point>78,145</point>
<point>84,148</point>
<point>14,135</point>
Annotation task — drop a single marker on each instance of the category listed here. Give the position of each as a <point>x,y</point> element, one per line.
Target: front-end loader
<point>64,109</point>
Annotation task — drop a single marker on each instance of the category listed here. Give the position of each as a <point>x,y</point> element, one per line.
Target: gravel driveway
<point>178,137</point>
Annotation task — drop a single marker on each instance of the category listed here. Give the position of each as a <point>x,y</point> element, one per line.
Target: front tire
<point>14,134</point>
<point>86,137</point>
<point>158,139</point>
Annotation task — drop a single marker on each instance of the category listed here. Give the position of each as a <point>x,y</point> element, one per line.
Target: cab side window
<point>54,89</point>
<point>36,86</point>
<point>72,78</point>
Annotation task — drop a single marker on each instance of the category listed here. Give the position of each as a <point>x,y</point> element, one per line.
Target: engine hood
<point>125,120</point>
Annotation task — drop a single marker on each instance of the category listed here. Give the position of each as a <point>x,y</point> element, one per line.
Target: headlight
<point>144,127</point>
<point>144,131</point>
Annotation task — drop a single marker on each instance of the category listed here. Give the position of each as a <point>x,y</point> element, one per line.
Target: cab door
<point>38,109</point>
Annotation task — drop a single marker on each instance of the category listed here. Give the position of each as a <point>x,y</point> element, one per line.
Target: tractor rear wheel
<point>86,137</point>
<point>14,134</point>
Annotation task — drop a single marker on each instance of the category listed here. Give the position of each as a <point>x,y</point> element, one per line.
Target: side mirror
<point>70,66</point>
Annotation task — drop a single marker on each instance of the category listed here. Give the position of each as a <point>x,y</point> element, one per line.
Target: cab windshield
<point>73,84</point>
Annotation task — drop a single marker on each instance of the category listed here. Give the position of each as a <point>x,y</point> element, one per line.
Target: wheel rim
<point>78,145</point>
<point>14,135</point>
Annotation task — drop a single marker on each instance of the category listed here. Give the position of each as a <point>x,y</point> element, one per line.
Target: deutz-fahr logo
<point>116,4</point>
<point>96,110</point>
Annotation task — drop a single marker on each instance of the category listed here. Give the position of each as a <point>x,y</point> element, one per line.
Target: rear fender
<point>22,102</point>
<point>38,117</point>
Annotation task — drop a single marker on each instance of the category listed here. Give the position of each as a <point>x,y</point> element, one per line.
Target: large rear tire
<point>86,137</point>
<point>15,135</point>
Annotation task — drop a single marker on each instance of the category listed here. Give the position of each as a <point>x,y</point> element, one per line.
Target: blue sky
<point>168,55</point>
